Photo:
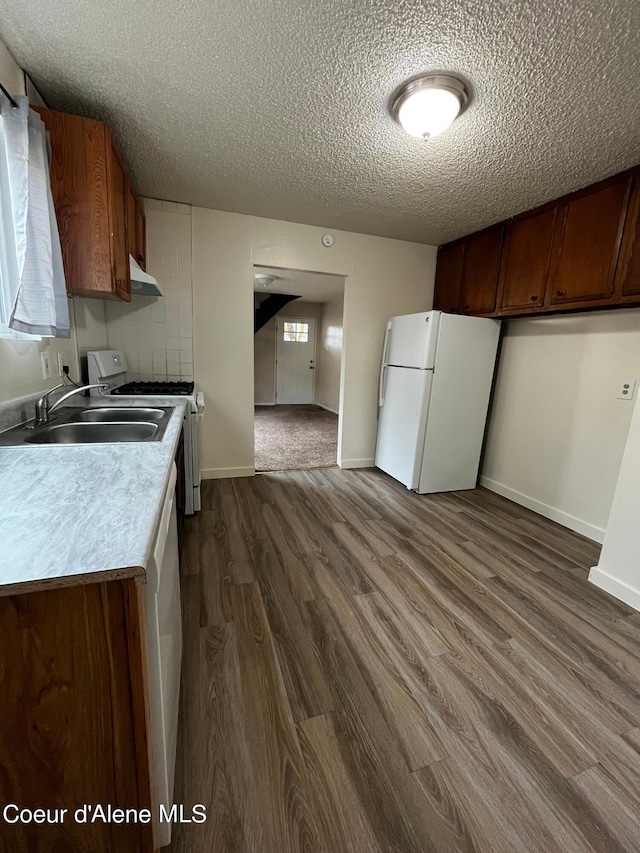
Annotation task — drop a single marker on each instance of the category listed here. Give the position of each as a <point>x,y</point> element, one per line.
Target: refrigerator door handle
<point>386,344</point>
<point>381,389</point>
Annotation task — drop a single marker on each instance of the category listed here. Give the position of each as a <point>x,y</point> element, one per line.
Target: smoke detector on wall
<point>264,280</point>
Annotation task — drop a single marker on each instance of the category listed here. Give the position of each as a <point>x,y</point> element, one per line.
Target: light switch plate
<point>60,363</point>
<point>627,389</point>
<point>46,365</point>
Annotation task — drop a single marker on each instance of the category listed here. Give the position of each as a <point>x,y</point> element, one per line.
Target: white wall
<point>556,431</point>
<point>618,570</point>
<point>20,367</point>
<point>384,277</point>
<point>329,354</point>
<point>91,325</point>
<point>264,346</point>
<point>156,333</point>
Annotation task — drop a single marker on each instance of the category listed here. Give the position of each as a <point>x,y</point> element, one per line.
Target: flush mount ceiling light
<point>264,280</point>
<point>428,105</point>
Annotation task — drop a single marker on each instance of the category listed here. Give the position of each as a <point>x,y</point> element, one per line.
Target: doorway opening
<point>298,323</point>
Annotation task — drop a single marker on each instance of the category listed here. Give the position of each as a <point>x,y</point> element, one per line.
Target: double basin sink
<point>99,425</point>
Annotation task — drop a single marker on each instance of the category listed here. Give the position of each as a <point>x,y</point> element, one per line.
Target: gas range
<point>109,367</point>
<point>155,389</point>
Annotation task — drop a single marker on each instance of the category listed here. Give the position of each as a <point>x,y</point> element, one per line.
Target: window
<point>298,332</point>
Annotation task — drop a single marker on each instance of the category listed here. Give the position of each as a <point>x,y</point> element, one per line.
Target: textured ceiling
<point>309,286</point>
<point>279,107</point>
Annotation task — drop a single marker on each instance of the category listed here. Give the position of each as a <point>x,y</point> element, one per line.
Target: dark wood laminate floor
<point>370,670</point>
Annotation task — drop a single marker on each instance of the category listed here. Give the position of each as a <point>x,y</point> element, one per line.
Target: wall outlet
<point>627,389</point>
<point>46,365</point>
<point>60,363</point>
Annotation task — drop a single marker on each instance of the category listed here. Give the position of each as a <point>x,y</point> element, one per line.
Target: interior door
<point>295,359</point>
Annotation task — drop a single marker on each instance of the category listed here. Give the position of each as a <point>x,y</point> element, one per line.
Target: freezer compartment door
<point>411,340</point>
<point>401,427</point>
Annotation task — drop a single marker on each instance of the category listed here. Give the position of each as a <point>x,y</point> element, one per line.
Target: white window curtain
<point>33,296</point>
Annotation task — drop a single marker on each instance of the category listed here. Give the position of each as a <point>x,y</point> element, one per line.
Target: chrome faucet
<point>43,409</point>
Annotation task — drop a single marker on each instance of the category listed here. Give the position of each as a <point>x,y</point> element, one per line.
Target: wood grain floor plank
<point>366,670</point>
<point>394,806</point>
<point>304,681</point>
<point>384,674</point>
<point>610,805</point>
<point>528,792</point>
<point>464,809</point>
<point>293,558</point>
<point>214,574</point>
<point>258,795</point>
<point>341,813</point>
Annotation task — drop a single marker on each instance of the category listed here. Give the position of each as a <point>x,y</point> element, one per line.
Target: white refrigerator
<point>435,382</point>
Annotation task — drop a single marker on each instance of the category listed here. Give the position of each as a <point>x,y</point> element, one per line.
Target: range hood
<point>142,284</point>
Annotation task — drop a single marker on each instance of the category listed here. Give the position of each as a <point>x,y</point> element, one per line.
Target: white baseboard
<point>223,473</point>
<point>357,463</point>
<point>328,408</point>
<point>564,518</point>
<point>617,588</point>
<point>265,404</point>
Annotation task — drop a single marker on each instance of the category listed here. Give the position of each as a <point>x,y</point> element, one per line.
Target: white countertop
<point>76,514</point>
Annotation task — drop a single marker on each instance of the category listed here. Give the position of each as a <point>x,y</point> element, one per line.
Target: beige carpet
<point>293,437</point>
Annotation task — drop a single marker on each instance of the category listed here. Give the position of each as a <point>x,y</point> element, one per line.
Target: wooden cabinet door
<point>587,244</point>
<point>526,256</point>
<point>79,190</point>
<point>627,284</point>
<point>448,278</point>
<point>136,227</point>
<point>479,288</point>
<point>117,182</point>
<point>141,235</point>
<point>132,203</point>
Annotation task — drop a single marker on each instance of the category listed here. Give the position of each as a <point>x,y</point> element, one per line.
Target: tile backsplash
<point>156,334</point>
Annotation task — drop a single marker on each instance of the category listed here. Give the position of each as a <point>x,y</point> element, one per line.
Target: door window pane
<point>296,332</point>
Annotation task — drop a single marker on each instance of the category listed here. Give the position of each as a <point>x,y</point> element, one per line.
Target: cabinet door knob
<point>560,292</point>
<point>534,298</point>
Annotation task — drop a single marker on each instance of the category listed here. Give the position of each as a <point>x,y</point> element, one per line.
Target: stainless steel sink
<point>97,425</point>
<point>93,433</point>
<point>107,414</point>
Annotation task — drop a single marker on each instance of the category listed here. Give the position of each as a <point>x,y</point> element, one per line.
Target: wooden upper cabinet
<point>448,278</point>
<point>479,286</point>
<point>141,236</point>
<point>525,260</point>
<point>88,184</point>
<point>627,283</point>
<point>136,227</point>
<point>587,243</point>
<point>118,225</point>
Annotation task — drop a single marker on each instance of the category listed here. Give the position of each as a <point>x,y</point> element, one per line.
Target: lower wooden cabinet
<point>73,715</point>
